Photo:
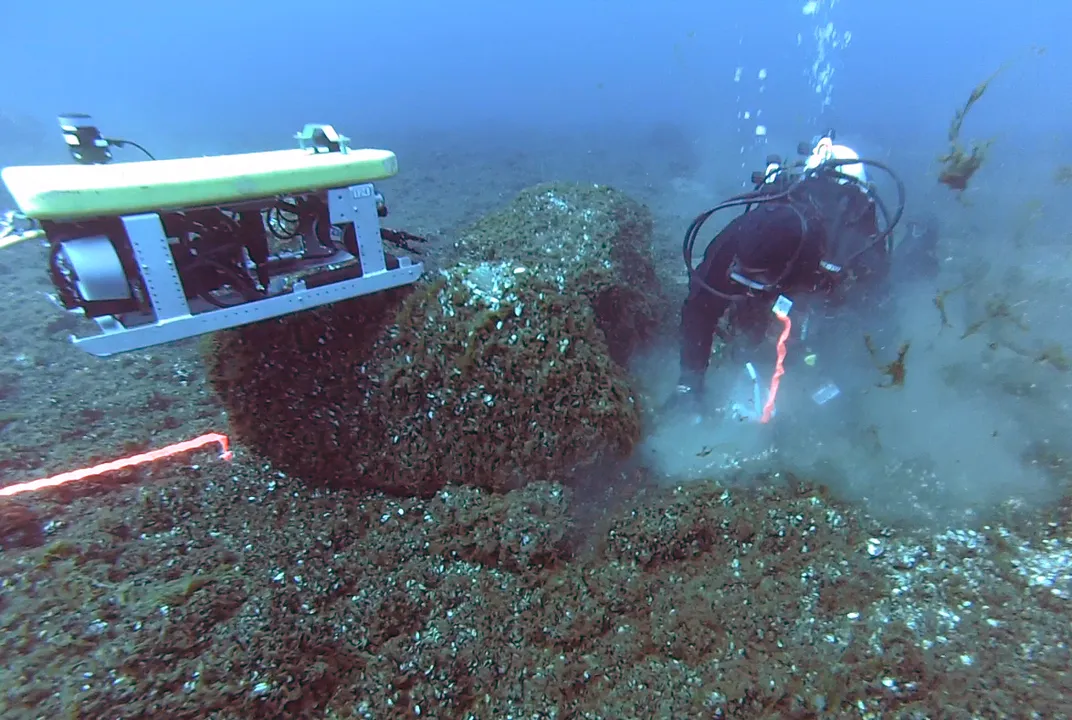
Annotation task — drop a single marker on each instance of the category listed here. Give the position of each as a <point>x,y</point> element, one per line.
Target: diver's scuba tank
<point>821,150</point>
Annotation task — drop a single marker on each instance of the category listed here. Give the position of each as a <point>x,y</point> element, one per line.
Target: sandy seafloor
<point>200,588</point>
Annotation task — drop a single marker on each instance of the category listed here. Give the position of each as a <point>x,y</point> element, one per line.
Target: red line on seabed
<point>140,459</point>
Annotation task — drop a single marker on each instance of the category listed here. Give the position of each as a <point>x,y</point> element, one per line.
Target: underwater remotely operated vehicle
<point>159,250</point>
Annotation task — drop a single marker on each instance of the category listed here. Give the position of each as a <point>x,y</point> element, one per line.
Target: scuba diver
<point>815,232</point>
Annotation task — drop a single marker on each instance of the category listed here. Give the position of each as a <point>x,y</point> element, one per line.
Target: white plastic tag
<point>782,305</point>
<point>753,410</point>
<point>825,394</point>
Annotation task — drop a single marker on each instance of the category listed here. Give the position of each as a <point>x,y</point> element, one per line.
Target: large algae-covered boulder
<point>587,239</point>
<point>503,367</point>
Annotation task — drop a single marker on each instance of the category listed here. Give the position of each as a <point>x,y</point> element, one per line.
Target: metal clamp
<point>322,139</point>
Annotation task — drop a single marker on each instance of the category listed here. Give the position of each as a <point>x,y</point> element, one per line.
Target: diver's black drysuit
<point>821,238</point>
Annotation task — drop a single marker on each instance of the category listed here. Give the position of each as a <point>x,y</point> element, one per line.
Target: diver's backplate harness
<point>778,183</point>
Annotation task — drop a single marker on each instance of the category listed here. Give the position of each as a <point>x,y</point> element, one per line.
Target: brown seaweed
<point>1053,355</point>
<point>959,165</point>
<point>996,309</point>
<point>895,370</point>
<point>939,302</point>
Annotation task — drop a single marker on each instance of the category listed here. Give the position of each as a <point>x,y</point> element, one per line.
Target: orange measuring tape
<point>140,459</point>
<point>779,364</point>
<point>762,411</point>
